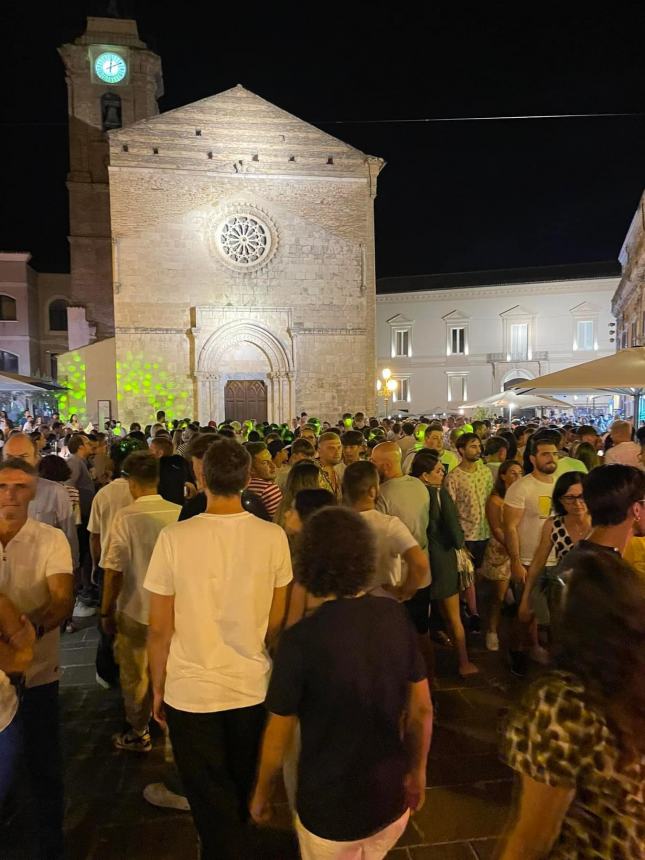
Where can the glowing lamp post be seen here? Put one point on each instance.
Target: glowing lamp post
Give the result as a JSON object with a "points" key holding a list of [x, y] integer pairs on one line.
{"points": [[386, 386]]}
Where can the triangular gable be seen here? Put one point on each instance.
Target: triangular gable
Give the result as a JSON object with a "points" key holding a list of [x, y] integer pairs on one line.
{"points": [[239, 116], [399, 319], [584, 308], [517, 311], [455, 316]]}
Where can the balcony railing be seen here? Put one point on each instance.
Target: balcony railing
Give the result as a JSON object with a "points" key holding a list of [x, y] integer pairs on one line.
{"points": [[511, 357]]}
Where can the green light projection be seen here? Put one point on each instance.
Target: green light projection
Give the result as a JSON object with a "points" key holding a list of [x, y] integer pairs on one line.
{"points": [[143, 386], [71, 374]]}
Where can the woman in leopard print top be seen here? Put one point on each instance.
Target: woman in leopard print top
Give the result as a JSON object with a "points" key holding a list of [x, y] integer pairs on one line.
{"points": [[578, 741]]}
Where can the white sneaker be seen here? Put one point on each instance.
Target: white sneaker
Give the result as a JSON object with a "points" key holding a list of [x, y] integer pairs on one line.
{"points": [[81, 610], [157, 794], [492, 642]]}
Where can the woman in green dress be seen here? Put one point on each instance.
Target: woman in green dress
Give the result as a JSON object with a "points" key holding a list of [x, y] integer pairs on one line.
{"points": [[444, 538]]}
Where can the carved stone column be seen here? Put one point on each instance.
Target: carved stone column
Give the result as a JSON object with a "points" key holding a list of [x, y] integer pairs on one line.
{"points": [[290, 396], [203, 396], [216, 390], [208, 399], [272, 399]]}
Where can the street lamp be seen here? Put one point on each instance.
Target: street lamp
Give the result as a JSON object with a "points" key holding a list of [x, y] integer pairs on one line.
{"points": [[386, 386]]}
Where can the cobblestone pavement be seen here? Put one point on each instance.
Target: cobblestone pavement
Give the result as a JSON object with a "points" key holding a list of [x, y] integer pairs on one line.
{"points": [[468, 795]]}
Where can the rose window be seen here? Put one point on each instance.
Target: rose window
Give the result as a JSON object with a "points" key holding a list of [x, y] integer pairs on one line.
{"points": [[244, 240]]}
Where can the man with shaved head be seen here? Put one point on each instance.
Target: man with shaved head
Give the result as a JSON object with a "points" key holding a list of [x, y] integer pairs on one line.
{"points": [[406, 497], [51, 504]]}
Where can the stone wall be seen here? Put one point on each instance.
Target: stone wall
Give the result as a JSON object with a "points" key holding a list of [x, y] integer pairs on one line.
{"points": [[165, 267]]}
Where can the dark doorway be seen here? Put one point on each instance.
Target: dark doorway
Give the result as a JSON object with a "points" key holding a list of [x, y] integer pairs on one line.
{"points": [[245, 398]]}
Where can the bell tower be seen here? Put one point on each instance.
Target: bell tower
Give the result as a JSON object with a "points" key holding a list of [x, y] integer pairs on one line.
{"points": [[113, 80]]}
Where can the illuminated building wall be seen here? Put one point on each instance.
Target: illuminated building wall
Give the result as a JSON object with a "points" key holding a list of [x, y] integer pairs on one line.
{"points": [[243, 248], [88, 375]]}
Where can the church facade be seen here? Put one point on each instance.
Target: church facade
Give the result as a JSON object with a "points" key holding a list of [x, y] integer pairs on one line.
{"points": [[241, 239]]}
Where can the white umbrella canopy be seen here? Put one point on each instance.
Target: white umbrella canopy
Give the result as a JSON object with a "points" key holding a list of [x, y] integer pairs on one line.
{"points": [[620, 373], [25, 384], [513, 401]]}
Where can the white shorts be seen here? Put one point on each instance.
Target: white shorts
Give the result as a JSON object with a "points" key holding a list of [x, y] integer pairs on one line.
{"points": [[373, 847]]}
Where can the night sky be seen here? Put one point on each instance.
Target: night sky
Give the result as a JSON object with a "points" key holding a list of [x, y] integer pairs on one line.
{"points": [[454, 197]]}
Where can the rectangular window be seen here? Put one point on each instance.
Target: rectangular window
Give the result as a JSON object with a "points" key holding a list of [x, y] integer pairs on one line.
{"points": [[457, 340], [402, 342], [7, 308], [402, 390], [519, 341], [456, 389], [634, 334], [584, 335]]}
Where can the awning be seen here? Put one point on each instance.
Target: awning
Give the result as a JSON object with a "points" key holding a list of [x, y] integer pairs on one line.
{"points": [[620, 373], [14, 382], [514, 401]]}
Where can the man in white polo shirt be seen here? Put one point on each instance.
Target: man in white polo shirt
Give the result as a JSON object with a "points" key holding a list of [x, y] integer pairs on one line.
{"points": [[36, 575], [124, 608], [217, 584]]}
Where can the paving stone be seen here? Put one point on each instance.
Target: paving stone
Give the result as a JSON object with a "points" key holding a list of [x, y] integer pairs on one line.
{"points": [[464, 739], [485, 848], [460, 813], [462, 770]]}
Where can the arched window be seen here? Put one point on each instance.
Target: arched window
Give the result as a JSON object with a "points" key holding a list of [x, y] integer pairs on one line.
{"points": [[7, 308], [8, 361], [58, 315]]}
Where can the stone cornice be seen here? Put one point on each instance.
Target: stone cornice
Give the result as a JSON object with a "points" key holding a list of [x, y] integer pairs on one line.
{"points": [[15, 256], [595, 285], [303, 332], [131, 329]]}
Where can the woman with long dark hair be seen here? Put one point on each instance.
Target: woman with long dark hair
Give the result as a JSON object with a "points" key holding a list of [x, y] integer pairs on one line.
{"points": [[444, 538], [570, 523], [578, 740]]}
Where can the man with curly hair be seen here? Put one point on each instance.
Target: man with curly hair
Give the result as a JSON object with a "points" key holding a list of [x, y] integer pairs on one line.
{"points": [[359, 775]]}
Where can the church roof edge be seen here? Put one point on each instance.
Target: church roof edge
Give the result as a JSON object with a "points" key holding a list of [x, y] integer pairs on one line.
{"points": [[194, 111]]}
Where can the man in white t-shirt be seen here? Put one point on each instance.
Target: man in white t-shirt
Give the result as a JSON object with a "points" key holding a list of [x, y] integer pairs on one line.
{"points": [[527, 505], [124, 607], [36, 575], [394, 539], [218, 586]]}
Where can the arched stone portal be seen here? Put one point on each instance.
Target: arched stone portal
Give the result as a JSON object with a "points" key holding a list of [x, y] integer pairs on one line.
{"points": [[244, 351]]}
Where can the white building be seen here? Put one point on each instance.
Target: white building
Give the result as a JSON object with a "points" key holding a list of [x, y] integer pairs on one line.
{"points": [[447, 344], [33, 317]]}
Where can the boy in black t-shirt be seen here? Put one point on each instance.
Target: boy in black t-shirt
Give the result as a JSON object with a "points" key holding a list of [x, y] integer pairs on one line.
{"points": [[348, 673]]}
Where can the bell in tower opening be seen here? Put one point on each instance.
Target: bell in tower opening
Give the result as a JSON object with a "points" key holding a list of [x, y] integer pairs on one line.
{"points": [[110, 111]]}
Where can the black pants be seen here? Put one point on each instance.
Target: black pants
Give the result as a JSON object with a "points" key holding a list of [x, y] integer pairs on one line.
{"points": [[216, 755], [40, 727]]}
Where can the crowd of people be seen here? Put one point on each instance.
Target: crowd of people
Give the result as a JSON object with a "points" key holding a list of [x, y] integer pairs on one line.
{"points": [[272, 596]]}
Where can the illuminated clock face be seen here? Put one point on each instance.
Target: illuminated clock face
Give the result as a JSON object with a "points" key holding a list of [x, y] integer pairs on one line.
{"points": [[110, 67]]}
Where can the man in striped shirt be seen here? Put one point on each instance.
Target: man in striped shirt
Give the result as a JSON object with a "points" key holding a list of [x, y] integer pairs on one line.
{"points": [[263, 472]]}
